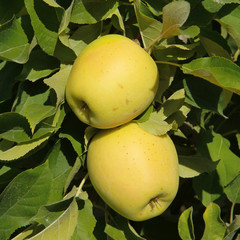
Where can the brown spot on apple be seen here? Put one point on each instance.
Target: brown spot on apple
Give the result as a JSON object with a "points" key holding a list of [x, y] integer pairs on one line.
{"points": [[127, 101], [116, 108], [120, 85]]}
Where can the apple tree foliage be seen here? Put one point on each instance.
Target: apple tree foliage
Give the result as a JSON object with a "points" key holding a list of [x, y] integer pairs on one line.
{"points": [[44, 189]]}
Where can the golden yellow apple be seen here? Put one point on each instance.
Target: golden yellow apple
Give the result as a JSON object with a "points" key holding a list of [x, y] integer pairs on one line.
{"points": [[112, 81], [133, 171]]}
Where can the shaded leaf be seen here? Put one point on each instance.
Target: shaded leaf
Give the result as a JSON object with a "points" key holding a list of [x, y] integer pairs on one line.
{"points": [[14, 127], [214, 225], [233, 228], [22, 198], [6, 12], [192, 166], [89, 12], [207, 187], [39, 65], [185, 225], [215, 98], [8, 74], [232, 190]]}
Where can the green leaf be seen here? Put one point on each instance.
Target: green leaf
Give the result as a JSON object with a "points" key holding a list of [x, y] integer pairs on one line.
{"points": [[173, 52], [185, 225], [230, 22], [232, 190], [14, 127], [45, 24], [192, 166], [214, 6], [233, 228], [73, 130], [89, 12], [21, 149], [150, 28], [35, 113], [7, 12], [28, 94], [190, 32], [22, 198], [63, 227], [172, 104], [214, 225], [155, 125], [217, 70], [121, 230], [59, 160], [8, 74], [86, 222], [58, 82], [14, 44], [175, 15], [214, 44], [83, 36], [218, 148], [39, 65], [215, 98], [207, 187]]}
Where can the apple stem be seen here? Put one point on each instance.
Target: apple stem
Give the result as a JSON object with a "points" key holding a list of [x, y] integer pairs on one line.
{"points": [[81, 185]]}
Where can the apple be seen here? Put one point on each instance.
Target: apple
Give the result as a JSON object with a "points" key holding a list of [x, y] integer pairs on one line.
{"points": [[112, 81], [134, 172]]}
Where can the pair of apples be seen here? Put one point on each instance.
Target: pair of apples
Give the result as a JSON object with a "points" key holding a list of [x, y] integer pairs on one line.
{"points": [[112, 81]]}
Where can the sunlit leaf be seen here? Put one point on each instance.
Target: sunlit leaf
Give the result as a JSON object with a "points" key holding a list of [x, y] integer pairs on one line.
{"points": [[214, 225], [14, 44], [21, 149], [150, 28], [45, 28], [155, 125], [175, 15], [86, 222], [217, 70], [22, 198], [63, 227], [58, 82], [185, 225]]}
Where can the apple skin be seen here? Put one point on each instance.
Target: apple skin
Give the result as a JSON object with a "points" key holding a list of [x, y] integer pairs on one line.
{"points": [[112, 81], [134, 172]]}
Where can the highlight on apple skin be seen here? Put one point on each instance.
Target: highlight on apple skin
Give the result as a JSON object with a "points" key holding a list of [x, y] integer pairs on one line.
{"points": [[134, 172], [112, 81]]}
